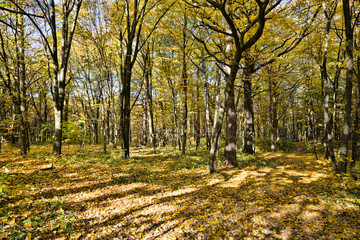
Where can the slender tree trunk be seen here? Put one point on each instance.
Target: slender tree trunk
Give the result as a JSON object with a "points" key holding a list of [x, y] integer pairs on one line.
{"points": [[20, 108], [249, 118], [356, 134], [144, 125], [312, 126], [274, 123], [173, 97], [104, 131], [207, 107], [184, 77], [126, 110], [197, 124], [329, 148], [148, 82], [348, 88]]}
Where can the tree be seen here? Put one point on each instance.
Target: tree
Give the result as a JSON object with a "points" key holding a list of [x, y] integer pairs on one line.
{"points": [[13, 74], [238, 40], [58, 70], [325, 78], [130, 20], [342, 166]]}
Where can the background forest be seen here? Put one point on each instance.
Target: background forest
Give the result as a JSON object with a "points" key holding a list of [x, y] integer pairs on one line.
{"points": [[161, 73], [218, 82]]}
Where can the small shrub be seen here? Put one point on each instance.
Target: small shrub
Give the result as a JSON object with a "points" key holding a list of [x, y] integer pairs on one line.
{"points": [[283, 145], [309, 147]]}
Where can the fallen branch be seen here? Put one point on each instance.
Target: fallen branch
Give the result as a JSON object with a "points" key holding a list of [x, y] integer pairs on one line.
{"points": [[7, 171], [44, 169]]}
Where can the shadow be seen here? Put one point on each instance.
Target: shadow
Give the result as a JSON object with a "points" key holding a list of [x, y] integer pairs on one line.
{"points": [[168, 196]]}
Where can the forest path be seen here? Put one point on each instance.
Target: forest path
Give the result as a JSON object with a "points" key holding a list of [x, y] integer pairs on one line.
{"points": [[163, 195]]}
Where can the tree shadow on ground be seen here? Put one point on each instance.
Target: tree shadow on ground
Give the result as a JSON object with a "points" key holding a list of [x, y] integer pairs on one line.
{"points": [[167, 196]]}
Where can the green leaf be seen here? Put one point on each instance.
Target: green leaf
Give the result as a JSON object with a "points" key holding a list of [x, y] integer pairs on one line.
{"points": [[27, 221]]}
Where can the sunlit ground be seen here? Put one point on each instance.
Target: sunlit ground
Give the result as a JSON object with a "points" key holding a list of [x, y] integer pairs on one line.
{"points": [[162, 195]]}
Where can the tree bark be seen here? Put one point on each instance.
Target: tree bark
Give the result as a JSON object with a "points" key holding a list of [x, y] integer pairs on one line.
{"points": [[274, 124], [231, 130], [184, 77], [148, 89], [232, 66], [356, 134], [348, 88], [248, 111], [207, 106], [329, 149], [144, 125], [126, 108], [197, 122]]}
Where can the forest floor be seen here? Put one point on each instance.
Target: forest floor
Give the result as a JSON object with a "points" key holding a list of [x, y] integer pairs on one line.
{"points": [[85, 194]]}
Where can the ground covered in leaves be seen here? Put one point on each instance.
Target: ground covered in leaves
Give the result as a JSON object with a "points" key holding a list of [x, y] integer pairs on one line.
{"points": [[85, 194]]}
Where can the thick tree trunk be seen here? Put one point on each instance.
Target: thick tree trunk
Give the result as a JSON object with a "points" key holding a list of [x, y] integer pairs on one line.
{"points": [[229, 80], [230, 76], [348, 88], [249, 131], [231, 130], [355, 139]]}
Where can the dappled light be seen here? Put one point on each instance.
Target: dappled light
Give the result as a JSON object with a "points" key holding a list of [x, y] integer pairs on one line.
{"points": [[163, 195]]}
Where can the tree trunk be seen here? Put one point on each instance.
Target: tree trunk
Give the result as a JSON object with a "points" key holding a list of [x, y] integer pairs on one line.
{"points": [[197, 124], [207, 107], [249, 118], [184, 77], [273, 115], [348, 88], [144, 125], [356, 134], [229, 80], [126, 110], [104, 128], [58, 130], [21, 109], [329, 149], [148, 82], [355, 138], [249, 130], [231, 129]]}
